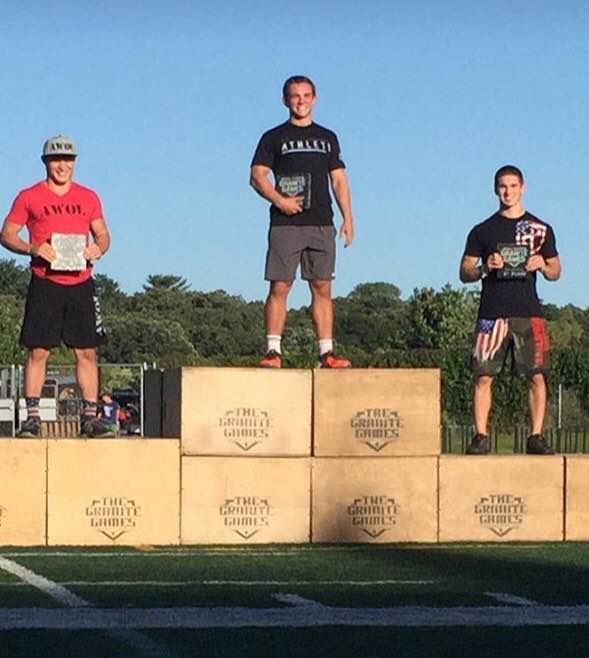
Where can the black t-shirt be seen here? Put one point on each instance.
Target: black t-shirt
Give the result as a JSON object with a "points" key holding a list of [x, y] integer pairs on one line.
{"points": [[301, 159], [510, 297]]}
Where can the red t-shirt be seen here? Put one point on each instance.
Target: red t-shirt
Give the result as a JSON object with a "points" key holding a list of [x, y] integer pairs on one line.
{"points": [[44, 212]]}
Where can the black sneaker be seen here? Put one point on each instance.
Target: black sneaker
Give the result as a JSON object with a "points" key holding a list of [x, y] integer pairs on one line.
{"points": [[91, 428], [480, 445], [29, 428], [537, 445]]}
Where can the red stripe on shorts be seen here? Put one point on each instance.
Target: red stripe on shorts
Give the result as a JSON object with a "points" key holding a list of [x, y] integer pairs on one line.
{"points": [[541, 342]]}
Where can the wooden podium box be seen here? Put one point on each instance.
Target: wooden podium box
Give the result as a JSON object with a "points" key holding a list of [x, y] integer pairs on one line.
{"points": [[113, 492], [375, 500], [239, 411], [377, 412], [23, 470], [501, 498], [244, 500], [577, 498]]}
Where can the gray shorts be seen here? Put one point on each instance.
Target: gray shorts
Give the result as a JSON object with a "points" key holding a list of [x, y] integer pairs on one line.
{"points": [[313, 247]]}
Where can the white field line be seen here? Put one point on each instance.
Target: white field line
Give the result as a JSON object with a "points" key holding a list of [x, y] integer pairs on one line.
{"points": [[56, 592], [148, 647], [301, 616], [510, 598], [225, 583]]}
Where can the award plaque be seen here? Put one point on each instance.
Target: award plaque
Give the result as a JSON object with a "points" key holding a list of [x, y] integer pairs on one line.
{"points": [[69, 250], [515, 257], [296, 185]]}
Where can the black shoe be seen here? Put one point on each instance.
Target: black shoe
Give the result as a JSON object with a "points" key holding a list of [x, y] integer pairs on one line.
{"points": [[30, 428], [94, 428], [537, 445], [480, 445]]}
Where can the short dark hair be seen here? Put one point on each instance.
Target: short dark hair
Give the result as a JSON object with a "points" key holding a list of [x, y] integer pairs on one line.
{"points": [[297, 79], [507, 170]]}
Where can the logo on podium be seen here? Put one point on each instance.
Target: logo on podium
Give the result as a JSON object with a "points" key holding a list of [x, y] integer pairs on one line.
{"points": [[245, 426], [373, 515], [501, 513], [376, 427], [245, 515], [113, 516]]}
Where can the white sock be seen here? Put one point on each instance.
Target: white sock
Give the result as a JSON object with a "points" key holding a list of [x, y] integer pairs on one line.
{"points": [[273, 343], [325, 345]]}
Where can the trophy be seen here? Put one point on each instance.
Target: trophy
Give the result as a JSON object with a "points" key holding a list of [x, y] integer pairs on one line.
{"points": [[69, 252], [515, 257], [295, 185]]}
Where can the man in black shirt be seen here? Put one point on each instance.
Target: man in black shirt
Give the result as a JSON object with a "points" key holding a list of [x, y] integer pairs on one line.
{"points": [[506, 252], [304, 159]]}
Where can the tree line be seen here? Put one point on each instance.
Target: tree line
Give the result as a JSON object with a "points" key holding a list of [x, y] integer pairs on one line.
{"points": [[170, 324]]}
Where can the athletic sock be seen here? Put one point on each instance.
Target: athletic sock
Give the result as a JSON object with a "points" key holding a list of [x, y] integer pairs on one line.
{"points": [[32, 407], [273, 343], [325, 345]]}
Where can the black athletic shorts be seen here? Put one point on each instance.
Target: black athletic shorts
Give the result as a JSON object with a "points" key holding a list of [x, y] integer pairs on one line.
{"points": [[56, 314]]}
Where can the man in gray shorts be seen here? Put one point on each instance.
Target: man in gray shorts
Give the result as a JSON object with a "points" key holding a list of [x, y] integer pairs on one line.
{"points": [[304, 159]]}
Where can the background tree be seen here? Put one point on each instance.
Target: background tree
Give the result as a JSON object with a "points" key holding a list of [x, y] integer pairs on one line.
{"points": [[14, 278], [171, 324], [10, 313], [134, 338], [166, 282]]}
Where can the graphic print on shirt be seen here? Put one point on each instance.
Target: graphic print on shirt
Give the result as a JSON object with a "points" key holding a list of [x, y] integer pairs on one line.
{"points": [[305, 146], [63, 208], [530, 233]]}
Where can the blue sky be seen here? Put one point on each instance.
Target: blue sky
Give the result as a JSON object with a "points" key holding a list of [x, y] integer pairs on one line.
{"points": [[167, 101]]}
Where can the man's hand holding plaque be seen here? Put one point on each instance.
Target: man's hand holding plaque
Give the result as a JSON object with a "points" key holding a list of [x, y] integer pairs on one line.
{"points": [[295, 186], [514, 258], [69, 252]]}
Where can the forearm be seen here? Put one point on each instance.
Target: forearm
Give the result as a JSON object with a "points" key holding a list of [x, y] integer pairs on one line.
{"points": [[102, 242], [471, 272], [341, 192], [265, 189], [13, 242], [551, 270]]}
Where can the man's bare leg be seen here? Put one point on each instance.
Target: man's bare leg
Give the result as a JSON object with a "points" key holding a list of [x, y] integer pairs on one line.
{"points": [[35, 368], [481, 408], [87, 372], [481, 403], [275, 320], [87, 377], [275, 308], [537, 395], [322, 308]]}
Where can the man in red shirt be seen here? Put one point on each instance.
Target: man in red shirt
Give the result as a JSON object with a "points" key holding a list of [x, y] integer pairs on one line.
{"points": [[61, 301]]}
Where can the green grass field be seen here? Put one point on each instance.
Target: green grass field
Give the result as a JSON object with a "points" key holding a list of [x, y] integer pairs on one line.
{"points": [[452, 600]]}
